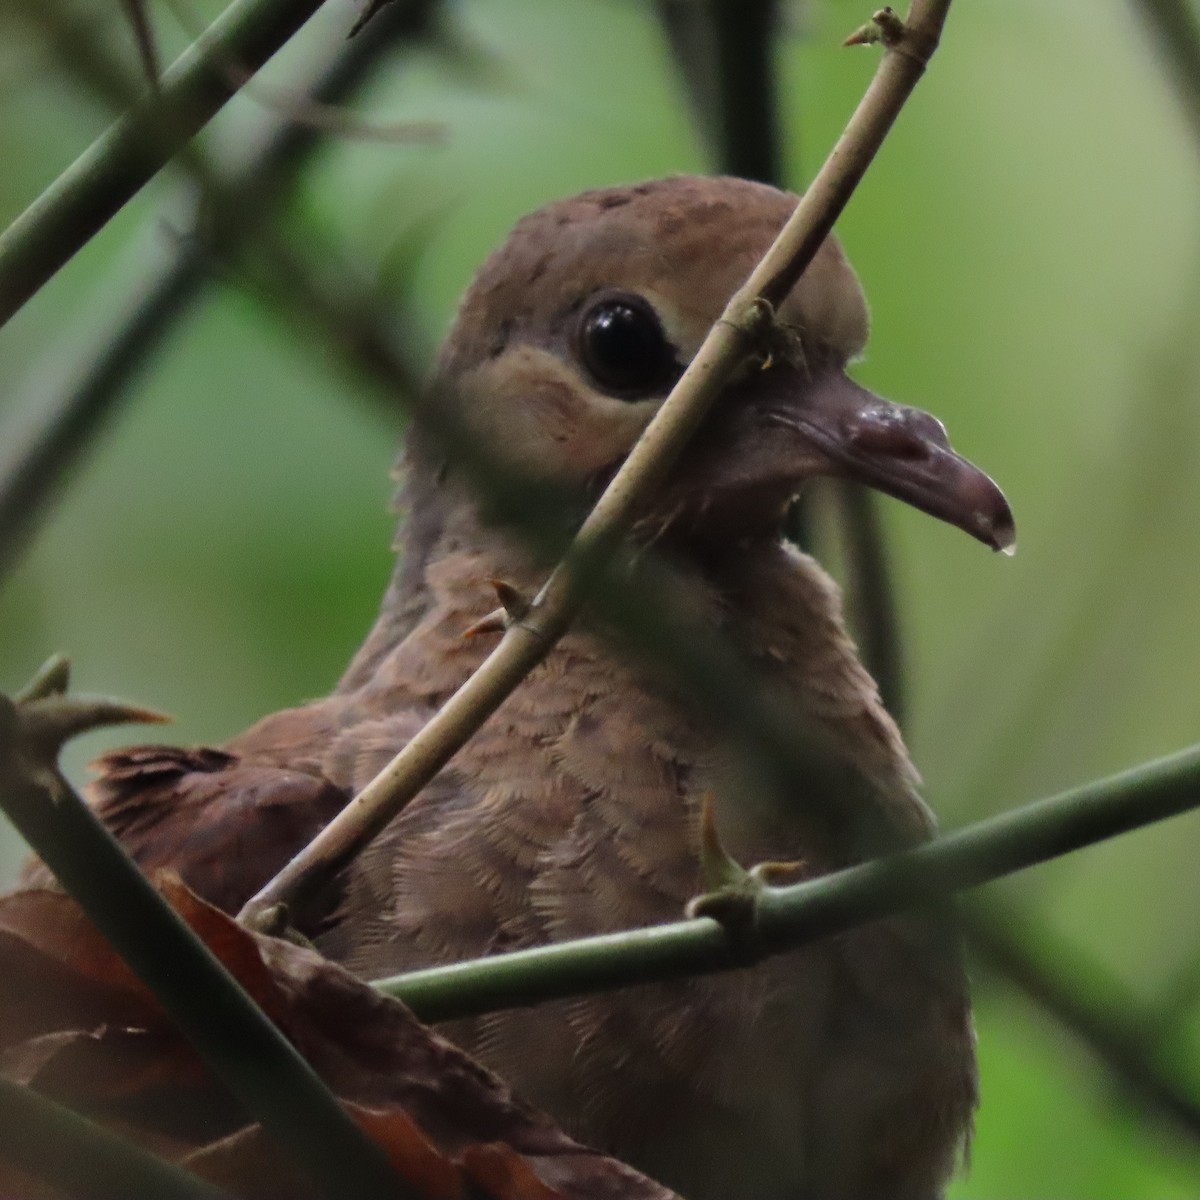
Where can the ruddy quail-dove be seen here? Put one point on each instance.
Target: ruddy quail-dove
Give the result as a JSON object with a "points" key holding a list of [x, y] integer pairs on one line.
{"points": [[844, 1069]]}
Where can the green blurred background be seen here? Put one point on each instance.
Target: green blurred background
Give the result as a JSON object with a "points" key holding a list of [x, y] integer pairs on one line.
{"points": [[1029, 242]]}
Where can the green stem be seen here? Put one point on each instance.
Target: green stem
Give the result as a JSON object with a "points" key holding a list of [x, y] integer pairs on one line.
{"points": [[257, 176], [117, 165], [748, 114], [59, 1147], [242, 1046], [724, 348], [785, 918]]}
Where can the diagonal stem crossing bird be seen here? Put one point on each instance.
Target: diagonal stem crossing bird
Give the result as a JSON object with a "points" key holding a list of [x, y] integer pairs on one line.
{"points": [[845, 1069]]}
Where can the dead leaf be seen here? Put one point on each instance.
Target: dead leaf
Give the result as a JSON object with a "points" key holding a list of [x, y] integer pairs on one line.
{"points": [[77, 1025]]}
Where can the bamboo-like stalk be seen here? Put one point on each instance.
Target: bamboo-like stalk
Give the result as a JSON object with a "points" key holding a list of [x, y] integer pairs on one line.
{"points": [[784, 918], [525, 644], [124, 158], [57, 1146], [254, 176], [239, 1042]]}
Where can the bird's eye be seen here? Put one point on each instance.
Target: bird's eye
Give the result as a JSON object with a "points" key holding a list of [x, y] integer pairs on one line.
{"points": [[624, 349]]}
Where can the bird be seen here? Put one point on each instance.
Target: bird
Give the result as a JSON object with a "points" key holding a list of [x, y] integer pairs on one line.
{"points": [[843, 1069]]}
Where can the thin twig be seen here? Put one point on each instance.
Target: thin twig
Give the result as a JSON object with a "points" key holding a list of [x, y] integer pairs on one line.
{"points": [[726, 55], [784, 918], [143, 36], [255, 176], [303, 108], [54, 1145], [525, 644], [229, 1031], [120, 162]]}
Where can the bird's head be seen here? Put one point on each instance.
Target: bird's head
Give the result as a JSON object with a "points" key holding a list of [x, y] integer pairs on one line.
{"points": [[575, 330]]}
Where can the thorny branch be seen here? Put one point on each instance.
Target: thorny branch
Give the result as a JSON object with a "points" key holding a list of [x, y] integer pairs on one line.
{"points": [[525, 645], [241, 1045], [725, 51], [784, 918], [1009, 968], [120, 162], [254, 178]]}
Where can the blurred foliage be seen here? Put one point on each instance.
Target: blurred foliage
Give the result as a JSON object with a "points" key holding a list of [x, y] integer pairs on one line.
{"points": [[1030, 243]]}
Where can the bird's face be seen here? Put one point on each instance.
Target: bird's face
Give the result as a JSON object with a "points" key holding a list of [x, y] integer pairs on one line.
{"points": [[573, 333]]}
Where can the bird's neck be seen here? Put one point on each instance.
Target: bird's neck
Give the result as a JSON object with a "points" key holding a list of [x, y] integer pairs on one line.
{"points": [[442, 531], [440, 525], [779, 610]]}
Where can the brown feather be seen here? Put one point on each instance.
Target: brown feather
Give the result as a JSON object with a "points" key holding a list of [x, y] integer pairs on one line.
{"points": [[845, 1069]]}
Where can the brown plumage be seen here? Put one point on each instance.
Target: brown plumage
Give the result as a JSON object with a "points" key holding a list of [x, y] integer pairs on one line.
{"points": [[842, 1070]]}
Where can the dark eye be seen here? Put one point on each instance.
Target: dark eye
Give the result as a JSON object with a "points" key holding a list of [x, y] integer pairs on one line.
{"points": [[624, 348]]}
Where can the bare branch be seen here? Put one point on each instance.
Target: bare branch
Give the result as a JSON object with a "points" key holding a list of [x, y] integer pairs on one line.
{"points": [[744, 321]]}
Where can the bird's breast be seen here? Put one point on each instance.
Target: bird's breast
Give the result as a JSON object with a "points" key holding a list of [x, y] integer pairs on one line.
{"points": [[843, 1068]]}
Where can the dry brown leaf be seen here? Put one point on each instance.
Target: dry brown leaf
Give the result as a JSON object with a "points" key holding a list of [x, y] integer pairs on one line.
{"points": [[77, 1025]]}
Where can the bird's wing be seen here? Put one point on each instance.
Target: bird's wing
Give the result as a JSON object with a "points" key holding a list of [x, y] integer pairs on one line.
{"points": [[223, 823]]}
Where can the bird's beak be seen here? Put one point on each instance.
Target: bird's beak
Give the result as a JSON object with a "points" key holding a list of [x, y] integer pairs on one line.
{"points": [[901, 451], [788, 425]]}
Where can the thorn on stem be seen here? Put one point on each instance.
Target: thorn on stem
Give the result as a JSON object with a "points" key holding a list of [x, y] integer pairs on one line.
{"points": [[514, 607], [884, 26], [41, 718], [733, 892], [47, 724], [495, 622], [718, 867], [514, 603], [52, 678]]}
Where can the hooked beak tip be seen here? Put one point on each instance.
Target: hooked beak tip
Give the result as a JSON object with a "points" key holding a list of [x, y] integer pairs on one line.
{"points": [[990, 518], [1000, 535]]}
